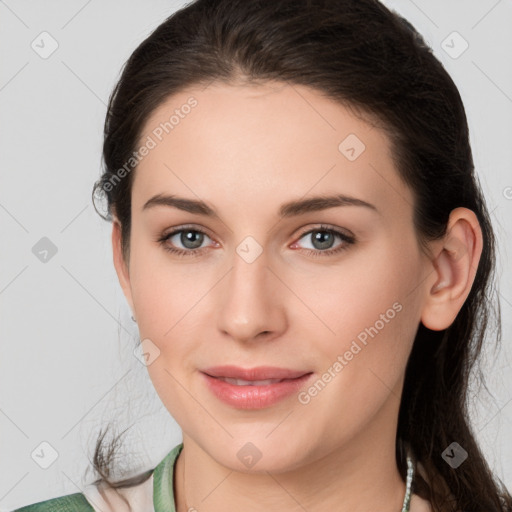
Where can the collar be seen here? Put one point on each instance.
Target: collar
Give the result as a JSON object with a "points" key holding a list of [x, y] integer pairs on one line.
{"points": [[163, 482]]}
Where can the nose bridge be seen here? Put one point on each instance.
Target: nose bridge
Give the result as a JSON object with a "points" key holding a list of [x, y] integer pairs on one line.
{"points": [[249, 304]]}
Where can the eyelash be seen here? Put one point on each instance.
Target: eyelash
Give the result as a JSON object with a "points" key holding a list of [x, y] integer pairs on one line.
{"points": [[349, 240]]}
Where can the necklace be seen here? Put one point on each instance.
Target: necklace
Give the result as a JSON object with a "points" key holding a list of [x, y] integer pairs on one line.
{"points": [[405, 505], [408, 485]]}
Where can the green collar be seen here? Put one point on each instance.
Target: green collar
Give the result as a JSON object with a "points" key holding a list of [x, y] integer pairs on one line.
{"points": [[163, 482]]}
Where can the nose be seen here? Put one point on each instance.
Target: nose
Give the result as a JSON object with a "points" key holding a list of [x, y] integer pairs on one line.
{"points": [[250, 301]]}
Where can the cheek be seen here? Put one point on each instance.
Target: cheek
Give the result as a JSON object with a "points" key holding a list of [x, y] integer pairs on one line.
{"points": [[372, 318], [368, 287], [165, 295], [167, 299], [362, 367]]}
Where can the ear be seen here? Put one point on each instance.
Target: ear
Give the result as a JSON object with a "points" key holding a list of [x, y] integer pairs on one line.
{"points": [[455, 266], [120, 264]]}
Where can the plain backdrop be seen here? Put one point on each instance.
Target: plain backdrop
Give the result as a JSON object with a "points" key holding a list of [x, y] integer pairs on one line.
{"points": [[67, 362]]}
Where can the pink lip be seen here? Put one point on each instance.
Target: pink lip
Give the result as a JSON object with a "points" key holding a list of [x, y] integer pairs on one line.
{"points": [[254, 397]]}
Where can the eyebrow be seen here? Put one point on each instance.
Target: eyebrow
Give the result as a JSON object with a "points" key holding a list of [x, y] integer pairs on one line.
{"points": [[289, 209]]}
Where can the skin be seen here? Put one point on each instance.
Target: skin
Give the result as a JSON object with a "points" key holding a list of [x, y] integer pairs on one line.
{"points": [[245, 150]]}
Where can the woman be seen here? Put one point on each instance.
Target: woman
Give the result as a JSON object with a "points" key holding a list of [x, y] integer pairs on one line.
{"points": [[299, 231]]}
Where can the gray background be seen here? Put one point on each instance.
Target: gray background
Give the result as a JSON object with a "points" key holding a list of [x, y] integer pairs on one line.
{"points": [[67, 362]]}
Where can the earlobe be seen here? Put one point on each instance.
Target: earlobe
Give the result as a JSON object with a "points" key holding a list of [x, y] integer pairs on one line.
{"points": [[454, 271], [120, 264]]}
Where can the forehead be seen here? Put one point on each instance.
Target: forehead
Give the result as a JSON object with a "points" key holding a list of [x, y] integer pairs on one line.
{"points": [[249, 142]]}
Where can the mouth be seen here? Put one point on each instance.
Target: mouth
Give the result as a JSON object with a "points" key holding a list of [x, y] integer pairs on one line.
{"points": [[257, 374], [255, 388], [241, 382]]}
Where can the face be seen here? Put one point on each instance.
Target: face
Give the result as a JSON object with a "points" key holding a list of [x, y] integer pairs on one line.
{"points": [[329, 290]]}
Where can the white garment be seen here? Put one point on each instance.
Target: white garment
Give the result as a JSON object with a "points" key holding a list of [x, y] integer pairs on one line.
{"points": [[138, 498]]}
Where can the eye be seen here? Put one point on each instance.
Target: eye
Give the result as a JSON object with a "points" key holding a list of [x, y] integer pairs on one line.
{"points": [[322, 239], [190, 238]]}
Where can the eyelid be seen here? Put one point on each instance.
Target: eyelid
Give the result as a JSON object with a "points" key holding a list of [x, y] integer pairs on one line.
{"points": [[184, 227]]}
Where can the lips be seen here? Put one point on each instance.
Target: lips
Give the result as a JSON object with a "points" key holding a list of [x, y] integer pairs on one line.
{"points": [[254, 388], [253, 376]]}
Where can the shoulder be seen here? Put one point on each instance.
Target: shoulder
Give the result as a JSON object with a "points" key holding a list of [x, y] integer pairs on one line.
{"points": [[101, 498], [70, 503]]}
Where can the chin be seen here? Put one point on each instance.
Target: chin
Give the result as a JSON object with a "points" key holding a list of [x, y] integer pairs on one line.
{"points": [[259, 455]]}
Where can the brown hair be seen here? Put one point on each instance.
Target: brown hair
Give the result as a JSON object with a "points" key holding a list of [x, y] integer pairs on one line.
{"points": [[361, 54]]}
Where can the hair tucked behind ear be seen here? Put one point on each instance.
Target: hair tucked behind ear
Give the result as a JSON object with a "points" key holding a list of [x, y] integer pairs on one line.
{"points": [[361, 54]]}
